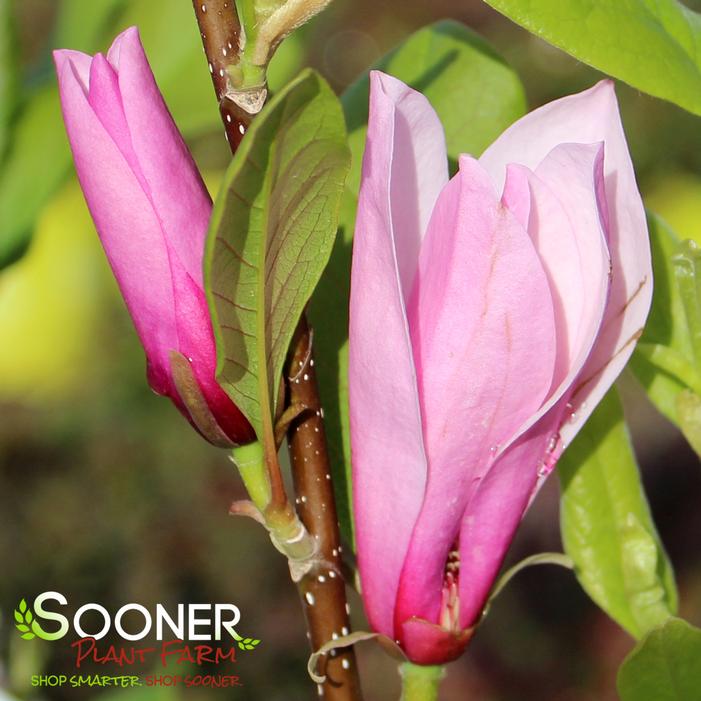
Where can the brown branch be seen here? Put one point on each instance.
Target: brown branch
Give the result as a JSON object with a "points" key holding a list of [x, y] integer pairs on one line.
{"points": [[220, 31], [323, 590]]}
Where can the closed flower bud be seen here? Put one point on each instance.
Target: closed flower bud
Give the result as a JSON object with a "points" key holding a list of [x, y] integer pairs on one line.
{"points": [[151, 211]]}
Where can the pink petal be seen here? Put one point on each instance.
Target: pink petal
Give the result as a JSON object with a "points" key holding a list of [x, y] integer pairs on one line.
{"points": [[80, 63], [106, 102], [196, 343], [176, 189], [483, 333], [566, 220], [566, 226], [590, 117], [419, 167], [495, 512], [389, 466], [124, 218]]}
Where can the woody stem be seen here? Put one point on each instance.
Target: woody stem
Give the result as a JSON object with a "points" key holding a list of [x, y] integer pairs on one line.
{"points": [[322, 589]]}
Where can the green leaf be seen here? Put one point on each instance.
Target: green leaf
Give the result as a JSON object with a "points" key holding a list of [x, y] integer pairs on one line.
{"points": [[22, 627], [664, 666], [23, 606], [606, 525], [29, 616], [688, 406], [476, 96], [666, 361], [651, 44], [28, 636], [19, 617], [271, 234]]}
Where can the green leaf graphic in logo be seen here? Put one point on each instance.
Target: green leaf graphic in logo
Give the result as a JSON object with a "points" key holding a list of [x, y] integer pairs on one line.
{"points": [[28, 626], [246, 643], [23, 618]]}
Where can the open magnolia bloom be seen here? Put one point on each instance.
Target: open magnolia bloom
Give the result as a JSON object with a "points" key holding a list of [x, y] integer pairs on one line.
{"points": [[151, 210], [489, 313]]}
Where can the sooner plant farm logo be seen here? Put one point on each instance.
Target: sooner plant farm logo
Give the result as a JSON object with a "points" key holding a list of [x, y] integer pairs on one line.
{"points": [[187, 624], [190, 634]]}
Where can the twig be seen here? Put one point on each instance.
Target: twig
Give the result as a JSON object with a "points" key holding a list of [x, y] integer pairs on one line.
{"points": [[220, 31], [322, 590]]}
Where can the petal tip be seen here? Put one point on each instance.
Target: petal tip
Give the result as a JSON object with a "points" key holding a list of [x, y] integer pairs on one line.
{"points": [[129, 39]]}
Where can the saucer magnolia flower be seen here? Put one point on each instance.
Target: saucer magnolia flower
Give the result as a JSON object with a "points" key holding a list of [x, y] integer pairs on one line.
{"points": [[489, 314], [151, 211]]}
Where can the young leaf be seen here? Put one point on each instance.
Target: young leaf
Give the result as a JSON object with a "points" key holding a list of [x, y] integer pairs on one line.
{"points": [[650, 44], [606, 525], [476, 96], [270, 237], [664, 666]]}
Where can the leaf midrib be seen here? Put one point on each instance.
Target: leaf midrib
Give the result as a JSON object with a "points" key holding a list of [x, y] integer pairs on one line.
{"points": [[261, 307]]}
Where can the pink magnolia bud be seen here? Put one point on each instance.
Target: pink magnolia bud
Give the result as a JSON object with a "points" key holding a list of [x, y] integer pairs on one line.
{"points": [[490, 312], [151, 211]]}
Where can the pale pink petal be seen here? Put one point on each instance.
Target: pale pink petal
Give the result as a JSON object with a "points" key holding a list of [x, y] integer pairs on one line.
{"points": [[483, 333], [568, 232], [517, 194], [590, 117], [128, 228], [80, 63], [419, 168], [389, 465], [566, 225], [176, 189]]}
